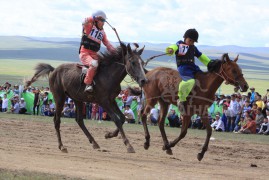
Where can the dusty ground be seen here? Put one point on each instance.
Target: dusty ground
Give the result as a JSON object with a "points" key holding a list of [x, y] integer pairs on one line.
{"points": [[32, 146]]}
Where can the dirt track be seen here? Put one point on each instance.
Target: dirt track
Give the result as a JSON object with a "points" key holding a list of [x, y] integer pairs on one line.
{"points": [[32, 146]]}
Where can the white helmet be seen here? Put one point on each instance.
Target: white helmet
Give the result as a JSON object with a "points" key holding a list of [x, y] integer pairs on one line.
{"points": [[99, 13]]}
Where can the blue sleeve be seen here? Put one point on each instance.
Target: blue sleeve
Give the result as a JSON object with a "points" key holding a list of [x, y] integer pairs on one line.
{"points": [[197, 53]]}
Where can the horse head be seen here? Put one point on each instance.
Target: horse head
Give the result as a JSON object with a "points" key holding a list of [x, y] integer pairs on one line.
{"points": [[134, 64], [232, 73]]}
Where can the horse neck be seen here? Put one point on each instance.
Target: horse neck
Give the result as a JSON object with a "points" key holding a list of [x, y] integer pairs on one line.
{"points": [[213, 82], [116, 72]]}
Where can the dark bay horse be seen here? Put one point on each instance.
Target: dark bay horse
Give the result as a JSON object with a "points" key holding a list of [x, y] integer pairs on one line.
{"points": [[162, 87], [65, 81]]}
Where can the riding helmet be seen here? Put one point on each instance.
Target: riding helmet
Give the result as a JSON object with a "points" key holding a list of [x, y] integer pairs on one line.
{"points": [[99, 13], [191, 33]]}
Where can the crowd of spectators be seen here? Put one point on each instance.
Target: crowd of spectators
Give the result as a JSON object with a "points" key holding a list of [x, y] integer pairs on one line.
{"points": [[246, 113]]}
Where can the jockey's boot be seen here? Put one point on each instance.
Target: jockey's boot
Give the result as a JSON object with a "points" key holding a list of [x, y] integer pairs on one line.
{"points": [[181, 107], [89, 88]]}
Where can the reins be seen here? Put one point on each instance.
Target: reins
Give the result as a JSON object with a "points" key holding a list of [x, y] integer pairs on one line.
{"points": [[226, 77]]}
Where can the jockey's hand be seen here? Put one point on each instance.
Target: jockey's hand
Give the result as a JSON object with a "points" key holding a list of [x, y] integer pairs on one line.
{"points": [[169, 51]]}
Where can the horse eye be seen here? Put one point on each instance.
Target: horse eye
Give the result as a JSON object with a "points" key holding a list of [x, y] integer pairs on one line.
{"points": [[234, 72]]}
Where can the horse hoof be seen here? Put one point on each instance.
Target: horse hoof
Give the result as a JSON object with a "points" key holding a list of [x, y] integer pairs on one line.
{"points": [[96, 146], [108, 135], [64, 150], [166, 147], [169, 152], [130, 149], [146, 146], [200, 156]]}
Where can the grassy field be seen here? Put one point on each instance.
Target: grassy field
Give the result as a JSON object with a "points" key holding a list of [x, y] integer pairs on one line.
{"points": [[16, 71]]}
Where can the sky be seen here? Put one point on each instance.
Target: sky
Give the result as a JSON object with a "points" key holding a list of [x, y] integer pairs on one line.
{"points": [[219, 22]]}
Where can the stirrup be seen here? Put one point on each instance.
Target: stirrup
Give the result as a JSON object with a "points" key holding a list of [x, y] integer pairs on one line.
{"points": [[89, 88]]}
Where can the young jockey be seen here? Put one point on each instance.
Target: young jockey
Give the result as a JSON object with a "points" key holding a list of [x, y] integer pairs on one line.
{"points": [[93, 35], [185, 52]]}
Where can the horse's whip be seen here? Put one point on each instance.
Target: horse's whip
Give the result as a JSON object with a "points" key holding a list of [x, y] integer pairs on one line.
{"points": [[149, 59], [114, 29]]}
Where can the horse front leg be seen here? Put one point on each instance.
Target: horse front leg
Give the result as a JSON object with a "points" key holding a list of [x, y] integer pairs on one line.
{"points": [[112, 134], [118, 118], [208, 135]]}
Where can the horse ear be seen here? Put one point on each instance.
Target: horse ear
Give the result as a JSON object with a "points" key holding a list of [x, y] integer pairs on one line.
{"points": [[236, 59], [123, 47], [225, 57], [141, 50], [129, 49]]}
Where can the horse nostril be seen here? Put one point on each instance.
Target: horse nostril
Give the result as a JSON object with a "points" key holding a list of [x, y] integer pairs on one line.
{"points": [[143, 81]]}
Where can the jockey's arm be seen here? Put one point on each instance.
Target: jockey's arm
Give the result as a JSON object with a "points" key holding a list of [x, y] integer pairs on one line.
{"points": [[108, 45], [87, 25], [202, 57], [170, 50]]}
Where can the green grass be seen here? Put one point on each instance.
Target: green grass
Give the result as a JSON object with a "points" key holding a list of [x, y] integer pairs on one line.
{"points": [[16, 71]]}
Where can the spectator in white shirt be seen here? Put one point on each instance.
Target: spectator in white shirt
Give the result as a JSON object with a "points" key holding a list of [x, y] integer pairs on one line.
{"points": [[218, 124], [264, 126], [129, 115], [5, 103], [22, 105], [153, 117], [233, 111]]}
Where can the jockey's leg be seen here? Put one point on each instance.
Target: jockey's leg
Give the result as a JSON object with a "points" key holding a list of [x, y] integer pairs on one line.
{"points": [[90, 74], [184, 90]]}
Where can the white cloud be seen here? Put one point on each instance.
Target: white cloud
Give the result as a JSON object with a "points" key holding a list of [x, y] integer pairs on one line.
{"points": [[222, 22]]}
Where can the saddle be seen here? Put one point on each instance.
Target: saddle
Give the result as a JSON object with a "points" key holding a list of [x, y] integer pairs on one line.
{"points": [[84, 69]]}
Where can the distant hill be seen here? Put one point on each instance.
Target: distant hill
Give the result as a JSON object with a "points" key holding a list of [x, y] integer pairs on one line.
{"points": [[253, 60]]}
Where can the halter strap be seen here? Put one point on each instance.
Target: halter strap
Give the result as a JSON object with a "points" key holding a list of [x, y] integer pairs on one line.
{"points": [[226, 77]]}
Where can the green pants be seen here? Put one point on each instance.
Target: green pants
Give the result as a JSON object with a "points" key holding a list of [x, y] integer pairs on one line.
{"points": [[184, 89]]}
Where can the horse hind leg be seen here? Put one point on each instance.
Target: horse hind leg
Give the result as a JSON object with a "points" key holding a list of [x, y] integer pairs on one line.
{"points": [[79, 120], [185, 124], [208, 135], [57, 120]]}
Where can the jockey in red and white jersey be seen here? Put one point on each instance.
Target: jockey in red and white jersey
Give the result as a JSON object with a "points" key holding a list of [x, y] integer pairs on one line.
{"points": [[93, 35]]}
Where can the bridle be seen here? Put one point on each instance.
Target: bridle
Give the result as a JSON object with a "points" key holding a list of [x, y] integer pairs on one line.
{"points": [[226, 78]]}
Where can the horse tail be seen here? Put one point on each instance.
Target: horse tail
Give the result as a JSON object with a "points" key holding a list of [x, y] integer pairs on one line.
{"points": [[41, 70], [134, 91]]}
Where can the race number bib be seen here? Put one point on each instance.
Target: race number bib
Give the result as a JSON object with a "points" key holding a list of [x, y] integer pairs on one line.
{"points": [[96, 35], [182, 49]]}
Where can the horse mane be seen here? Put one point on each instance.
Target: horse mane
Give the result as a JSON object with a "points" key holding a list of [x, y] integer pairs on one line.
{"points": [[108, 58]]}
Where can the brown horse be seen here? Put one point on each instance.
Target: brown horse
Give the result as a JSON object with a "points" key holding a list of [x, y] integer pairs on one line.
{"points": [[65, 81], [162, 87]]}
